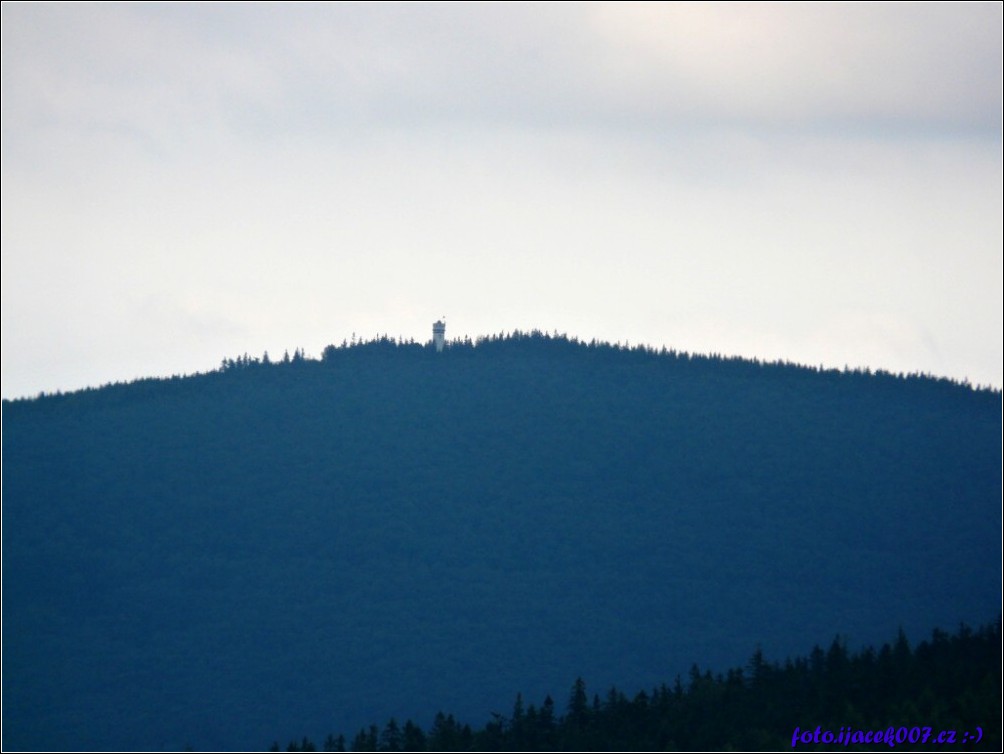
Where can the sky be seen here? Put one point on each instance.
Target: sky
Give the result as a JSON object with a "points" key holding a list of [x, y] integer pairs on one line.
{"points": [[814, 183]]}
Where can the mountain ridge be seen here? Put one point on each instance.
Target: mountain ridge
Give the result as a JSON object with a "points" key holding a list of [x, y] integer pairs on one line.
{"points": [[506, 339]]}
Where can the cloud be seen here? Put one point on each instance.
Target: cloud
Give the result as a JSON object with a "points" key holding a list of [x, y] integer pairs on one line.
{"points": [[793, 63], [178, 74]]}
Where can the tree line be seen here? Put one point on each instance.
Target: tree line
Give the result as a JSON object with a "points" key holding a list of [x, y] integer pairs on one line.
{"points": [[948, 683], [534, 339]]}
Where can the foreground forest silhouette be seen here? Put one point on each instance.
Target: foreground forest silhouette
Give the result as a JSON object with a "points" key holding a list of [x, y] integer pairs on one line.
{"points": [[287, 546], [949, 683]]}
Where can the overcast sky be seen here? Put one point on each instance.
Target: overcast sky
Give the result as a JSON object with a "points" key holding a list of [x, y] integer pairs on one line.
{"points": [[184, 183]]}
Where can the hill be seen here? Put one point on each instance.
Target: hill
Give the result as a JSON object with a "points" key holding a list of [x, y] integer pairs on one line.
{"points": [[315, 545]]}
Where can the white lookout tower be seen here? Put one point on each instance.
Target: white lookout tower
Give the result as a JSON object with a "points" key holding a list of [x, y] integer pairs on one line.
{"points": [[439, 334]]}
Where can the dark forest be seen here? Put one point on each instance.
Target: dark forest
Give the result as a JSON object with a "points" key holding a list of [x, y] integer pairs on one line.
{"points": [[288, 546], [951, 682]]}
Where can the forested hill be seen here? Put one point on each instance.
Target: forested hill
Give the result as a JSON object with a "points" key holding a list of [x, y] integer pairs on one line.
{"points": [[312, 545]]}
